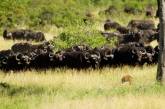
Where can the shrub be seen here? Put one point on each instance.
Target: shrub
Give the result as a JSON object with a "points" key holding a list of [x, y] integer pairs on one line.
{"points": [[67, 39]]}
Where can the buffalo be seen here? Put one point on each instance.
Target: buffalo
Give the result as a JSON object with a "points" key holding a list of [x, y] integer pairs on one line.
{"points": [[129, 54], [141, 24], [131, 37], [111, 10], [106, 55], [24, 34], [24, 56], [80, 59], [13, 61], [132, 10], [38, 56], [109, 24], [123, 30], [148, 36]]}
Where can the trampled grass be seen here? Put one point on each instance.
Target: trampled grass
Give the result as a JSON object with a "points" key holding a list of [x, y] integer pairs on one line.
{"points": [[72, 89]]}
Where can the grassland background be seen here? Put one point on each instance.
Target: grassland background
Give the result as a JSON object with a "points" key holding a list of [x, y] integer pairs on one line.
{"points": [[70, 88], [62, 20]]}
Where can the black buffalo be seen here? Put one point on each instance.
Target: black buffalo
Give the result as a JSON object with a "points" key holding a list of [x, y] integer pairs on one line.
{"points": [[106, 55], [111, 9], [129, 54], [109, 24], [131, 10], [39, 56], [13, 61], [24, 34], [141, 24], [131, 37]]}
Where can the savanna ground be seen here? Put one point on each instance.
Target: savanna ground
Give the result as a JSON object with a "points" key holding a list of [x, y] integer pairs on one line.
{"points": [[70, 88], [89, 89]]}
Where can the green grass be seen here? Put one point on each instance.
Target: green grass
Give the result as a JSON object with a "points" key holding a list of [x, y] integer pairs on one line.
{"points": [[71, 89]]}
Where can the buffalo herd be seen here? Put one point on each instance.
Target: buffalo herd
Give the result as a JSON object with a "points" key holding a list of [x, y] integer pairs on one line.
{"points": [[132, 48], [23, 56], [143, 31]]}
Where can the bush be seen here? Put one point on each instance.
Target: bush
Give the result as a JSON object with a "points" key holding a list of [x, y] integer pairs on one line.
{"points": [[67, 39]]}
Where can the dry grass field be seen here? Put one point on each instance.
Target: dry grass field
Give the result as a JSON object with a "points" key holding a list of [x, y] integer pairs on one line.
{"points": [[79, 89]]}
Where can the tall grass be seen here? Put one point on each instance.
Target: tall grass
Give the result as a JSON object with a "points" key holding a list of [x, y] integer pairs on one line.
{"points": [[70, 88]]}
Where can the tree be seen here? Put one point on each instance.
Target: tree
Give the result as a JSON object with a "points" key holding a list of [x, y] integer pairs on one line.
{"points": [[161, 61]]}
